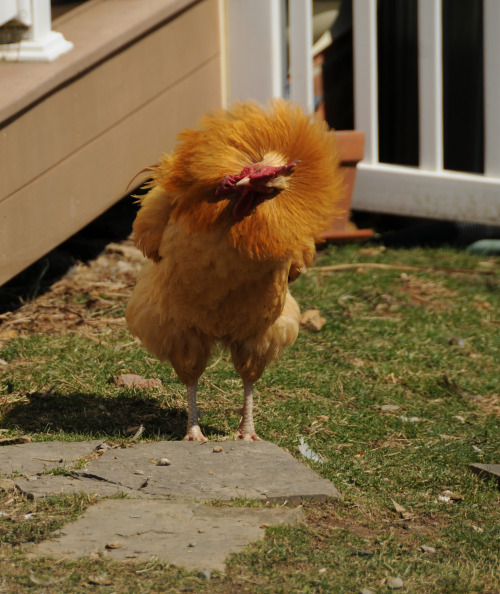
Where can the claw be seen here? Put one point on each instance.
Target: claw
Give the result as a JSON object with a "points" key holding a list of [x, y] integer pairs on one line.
{"points": [[194, 434], [245, 436]]}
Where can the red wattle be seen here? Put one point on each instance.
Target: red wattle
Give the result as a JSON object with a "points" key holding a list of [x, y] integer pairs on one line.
{"points": [[244, 205]]}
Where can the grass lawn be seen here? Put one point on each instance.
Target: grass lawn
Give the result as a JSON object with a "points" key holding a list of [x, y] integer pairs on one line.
{"points": [[398, 393]]}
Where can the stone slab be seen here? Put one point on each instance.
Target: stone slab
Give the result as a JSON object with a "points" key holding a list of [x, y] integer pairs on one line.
{"points": [[37, 487], [193, 535], [254, 470], [33, 458], [487, 471]]}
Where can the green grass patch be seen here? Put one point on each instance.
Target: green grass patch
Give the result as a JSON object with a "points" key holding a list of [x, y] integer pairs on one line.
{"points": [[427, 343]]}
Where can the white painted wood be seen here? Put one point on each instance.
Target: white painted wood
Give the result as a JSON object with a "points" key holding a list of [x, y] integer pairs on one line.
{"points": [[439, 195], [254, 49], [41, 25], [300, 47], [430, 84], [8, 10], [366, 74], [491, 32], [426, 191], [50, 47], [40, 43], [26, 8]]}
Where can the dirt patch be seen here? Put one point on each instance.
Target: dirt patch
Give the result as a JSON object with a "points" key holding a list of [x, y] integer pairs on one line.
{"points": [[369, 304], [431, 294], [90, 299], [488, 403], [370, 526]]}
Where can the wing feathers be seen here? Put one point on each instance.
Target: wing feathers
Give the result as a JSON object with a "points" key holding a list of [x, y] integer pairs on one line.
{"points": [[151, 222]]}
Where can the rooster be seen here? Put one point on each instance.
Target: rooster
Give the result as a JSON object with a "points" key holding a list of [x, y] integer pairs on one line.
{"points": [[231, 217]]}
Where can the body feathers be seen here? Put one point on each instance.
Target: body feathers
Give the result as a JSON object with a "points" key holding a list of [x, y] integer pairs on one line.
{"points": [[212, 277]]}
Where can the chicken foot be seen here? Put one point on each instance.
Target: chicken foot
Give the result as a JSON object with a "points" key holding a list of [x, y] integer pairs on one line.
{"points": [[246, 429], [193, 429]]}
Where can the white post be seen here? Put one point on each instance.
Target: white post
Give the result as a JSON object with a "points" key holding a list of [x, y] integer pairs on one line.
{"points": [[39, 43], [491, 70], [300, 44], [430, 83], [254, 49], [41, 25], [366, 75], [8, 10]]}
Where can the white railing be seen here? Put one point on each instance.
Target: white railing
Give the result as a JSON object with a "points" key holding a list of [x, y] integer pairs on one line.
{"points": [[427, 190], [255, 46], [8, 11], [256, 50], [26, 34]]}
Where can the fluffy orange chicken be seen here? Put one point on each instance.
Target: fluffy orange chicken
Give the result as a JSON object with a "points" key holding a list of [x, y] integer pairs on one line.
{"points": [[230, 218]]}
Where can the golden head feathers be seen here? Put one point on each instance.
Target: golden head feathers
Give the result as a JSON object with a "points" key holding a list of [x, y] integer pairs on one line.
{"points": [[304, 201]]}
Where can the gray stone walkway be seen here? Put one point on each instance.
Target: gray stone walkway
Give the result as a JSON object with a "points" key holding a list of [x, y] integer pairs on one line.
{"points": [[193, 535], [30, 458], [487, 471], [164, 516]]}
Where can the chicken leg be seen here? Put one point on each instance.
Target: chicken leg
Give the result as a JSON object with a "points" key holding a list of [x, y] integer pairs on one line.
{"points": [[246, 429], [193, 429]]}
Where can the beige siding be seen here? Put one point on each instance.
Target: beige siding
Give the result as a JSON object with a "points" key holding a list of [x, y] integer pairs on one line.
{"points": [[71, 156]]}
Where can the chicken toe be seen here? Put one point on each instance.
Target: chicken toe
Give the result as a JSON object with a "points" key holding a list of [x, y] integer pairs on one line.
{"points": [[194, 434], [247, 436]]}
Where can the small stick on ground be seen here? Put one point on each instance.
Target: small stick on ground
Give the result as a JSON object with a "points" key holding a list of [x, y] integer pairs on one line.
{"points": [[404, 267], [138, 433]]}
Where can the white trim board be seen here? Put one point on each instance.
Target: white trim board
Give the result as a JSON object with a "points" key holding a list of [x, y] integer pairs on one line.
{"points": [[439, 195]]}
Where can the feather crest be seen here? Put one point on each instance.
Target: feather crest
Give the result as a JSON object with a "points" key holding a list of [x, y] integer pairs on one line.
{"points": [[225, 143]]}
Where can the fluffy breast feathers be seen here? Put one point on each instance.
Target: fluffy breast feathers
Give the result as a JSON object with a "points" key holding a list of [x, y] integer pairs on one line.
{"points": [[184, 183]]}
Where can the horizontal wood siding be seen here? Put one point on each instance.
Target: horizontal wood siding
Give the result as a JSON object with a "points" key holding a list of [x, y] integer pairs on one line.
{"points": [[72, 155]]}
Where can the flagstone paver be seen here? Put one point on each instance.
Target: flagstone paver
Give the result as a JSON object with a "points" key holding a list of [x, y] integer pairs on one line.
{"points": [[164, 515], [195, 536], [33, 458]]}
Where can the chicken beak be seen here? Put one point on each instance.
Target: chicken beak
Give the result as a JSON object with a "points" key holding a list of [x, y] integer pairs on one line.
{"points": [[244, 181]]}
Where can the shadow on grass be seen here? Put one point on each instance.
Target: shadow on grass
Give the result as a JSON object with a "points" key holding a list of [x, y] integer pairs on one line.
{"points": [[96, 415]]}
